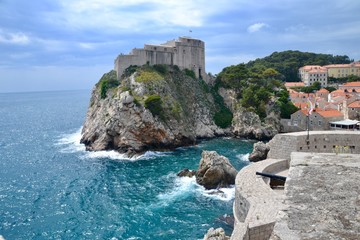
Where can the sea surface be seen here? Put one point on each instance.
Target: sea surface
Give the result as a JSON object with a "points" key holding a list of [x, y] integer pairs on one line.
{"points": [[51, 188]]}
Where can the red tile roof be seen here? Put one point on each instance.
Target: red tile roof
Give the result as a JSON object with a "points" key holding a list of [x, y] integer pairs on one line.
{"points": [[351, 84], [330, 113], [323, 90], [355, 104]]}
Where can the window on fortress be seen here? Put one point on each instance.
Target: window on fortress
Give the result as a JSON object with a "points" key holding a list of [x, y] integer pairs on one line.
{"points": [[184, 51]]}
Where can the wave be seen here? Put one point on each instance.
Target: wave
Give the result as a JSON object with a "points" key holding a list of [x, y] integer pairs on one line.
{"points": [[70, 143], [243, 157], [185, 187]]}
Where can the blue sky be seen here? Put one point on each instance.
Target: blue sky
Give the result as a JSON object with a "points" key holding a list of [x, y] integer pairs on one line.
{"points": [[69, 44]]}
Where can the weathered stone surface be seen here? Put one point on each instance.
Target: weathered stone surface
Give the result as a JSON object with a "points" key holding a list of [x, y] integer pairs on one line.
{"points": [[322, 198], [186, 173], [215, 171], [215, 234], [248, 124], [259, 152]]}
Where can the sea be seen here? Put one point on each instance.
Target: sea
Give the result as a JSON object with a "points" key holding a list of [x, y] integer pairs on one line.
{"points": [[52, 188]]}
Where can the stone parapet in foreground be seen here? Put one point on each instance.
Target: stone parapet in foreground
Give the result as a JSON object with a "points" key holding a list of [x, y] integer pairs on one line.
{"points": [[256, 204], [322, 198]]}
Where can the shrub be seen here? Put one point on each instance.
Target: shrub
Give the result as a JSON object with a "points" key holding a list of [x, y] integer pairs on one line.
{"points": [[223, 118], [107, 81], [161, 68], [189, 73], [103, 89], [130, 70], [154, 104]]}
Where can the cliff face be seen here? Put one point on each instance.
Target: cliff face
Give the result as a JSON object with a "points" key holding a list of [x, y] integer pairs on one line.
{"points": [[150, 109]]}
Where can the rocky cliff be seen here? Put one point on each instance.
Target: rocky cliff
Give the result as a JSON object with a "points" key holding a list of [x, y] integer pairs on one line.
{"points": [[151, 108], [161, 107]]}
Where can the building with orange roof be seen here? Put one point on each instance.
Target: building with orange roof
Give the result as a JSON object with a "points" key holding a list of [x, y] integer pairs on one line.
{"points": [[322, 93], [319, 119], [343, 70], [354, 110], [350, 87], [313, 73]]}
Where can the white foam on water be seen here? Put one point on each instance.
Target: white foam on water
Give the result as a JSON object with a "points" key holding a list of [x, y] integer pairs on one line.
{"points": [[185, 187], [243, 157], [222, 194], [71, 144]]}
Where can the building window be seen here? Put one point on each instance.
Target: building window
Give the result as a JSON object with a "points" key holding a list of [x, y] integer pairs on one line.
{"points": [[155, 48], [320, 123]]}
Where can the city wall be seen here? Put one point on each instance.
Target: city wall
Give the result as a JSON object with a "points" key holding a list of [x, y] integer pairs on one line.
{"points": [[282, 145], [256, 205], [254, 219]]}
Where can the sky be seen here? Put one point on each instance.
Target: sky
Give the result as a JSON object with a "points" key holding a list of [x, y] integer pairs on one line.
{"points": [[69, 44]]}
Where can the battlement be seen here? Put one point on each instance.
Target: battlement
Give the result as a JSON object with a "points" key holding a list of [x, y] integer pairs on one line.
{"points": [[185, 52]]}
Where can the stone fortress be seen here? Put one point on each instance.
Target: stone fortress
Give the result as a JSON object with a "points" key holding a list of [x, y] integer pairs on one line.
{"points": [[320, 198], [185, 52]]}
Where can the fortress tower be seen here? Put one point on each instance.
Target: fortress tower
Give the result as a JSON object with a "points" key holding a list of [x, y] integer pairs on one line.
{"points": [[185, 52]]}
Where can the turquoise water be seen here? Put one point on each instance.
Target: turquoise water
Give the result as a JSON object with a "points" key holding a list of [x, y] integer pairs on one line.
{"points": [[51, 188]]}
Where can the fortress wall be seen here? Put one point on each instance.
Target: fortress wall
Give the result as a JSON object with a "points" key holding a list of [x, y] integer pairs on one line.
{"points": [[122, 62], [254, 219], [282, 145]]}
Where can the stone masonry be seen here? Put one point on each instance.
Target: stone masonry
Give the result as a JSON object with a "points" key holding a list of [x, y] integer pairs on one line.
{"points": [[322, 198], [282, 145], [185, 52]]}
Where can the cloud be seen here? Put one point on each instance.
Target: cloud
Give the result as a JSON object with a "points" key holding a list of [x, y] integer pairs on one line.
{"points": [[256, 27], [135, 15], [17, 38]]}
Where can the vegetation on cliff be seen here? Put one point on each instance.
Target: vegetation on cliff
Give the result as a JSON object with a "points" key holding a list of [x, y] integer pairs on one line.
{"points": [[107, 81], [287, 63], [255, 87]]}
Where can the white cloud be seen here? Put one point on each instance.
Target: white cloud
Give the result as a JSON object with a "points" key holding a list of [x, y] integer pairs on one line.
{"points": [[17, 38], [136, 15], [256, 27]]}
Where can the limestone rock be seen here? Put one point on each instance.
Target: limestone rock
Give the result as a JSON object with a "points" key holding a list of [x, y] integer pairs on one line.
{"points": [[215, 171], [248, 124], [186, 173], [120, 121], [215, 234], [260, 151]]}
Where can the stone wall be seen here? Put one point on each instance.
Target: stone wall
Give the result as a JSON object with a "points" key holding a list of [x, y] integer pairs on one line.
{"points": [[322, 198], [185, 53], [282, 145], [254, 219]]}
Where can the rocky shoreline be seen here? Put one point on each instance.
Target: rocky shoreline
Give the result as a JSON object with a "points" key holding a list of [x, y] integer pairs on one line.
{"points": [[163, 112]]}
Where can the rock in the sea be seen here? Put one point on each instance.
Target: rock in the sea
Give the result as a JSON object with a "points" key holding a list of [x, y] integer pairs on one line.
{"points": [[186, 173], [259, 152], [215, 171], [215, 234]]}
